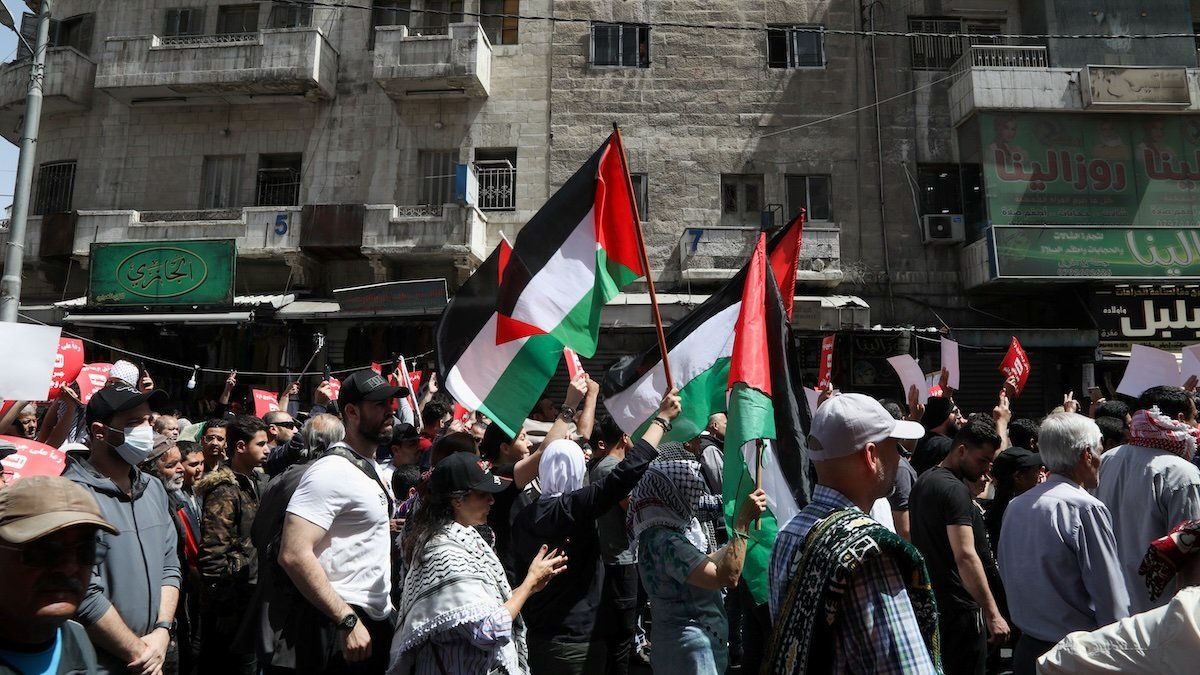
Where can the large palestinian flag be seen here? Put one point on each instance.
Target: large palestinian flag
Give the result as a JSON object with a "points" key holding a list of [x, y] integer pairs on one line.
{"points": [[763, 405], [574, 255], [699, 346]]}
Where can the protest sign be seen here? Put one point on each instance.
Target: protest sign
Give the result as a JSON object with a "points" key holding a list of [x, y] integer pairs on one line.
{"points": [[1149, 367], [91, 378], [910, 375], [27, 360], [1016, 364], [264, 402], [33, 458], [574, 365], [67, 364], [950, 363], [825, 373]]}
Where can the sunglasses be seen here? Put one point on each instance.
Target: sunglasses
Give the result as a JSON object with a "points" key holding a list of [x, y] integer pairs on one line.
{"points": [[52, 554], [285, 425]]}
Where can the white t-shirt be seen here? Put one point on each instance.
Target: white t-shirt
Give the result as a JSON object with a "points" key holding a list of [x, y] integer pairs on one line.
{"points": [[355, 551]]}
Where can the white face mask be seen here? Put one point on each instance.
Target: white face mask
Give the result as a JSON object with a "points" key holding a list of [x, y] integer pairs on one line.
{"points": [[139, 443]]}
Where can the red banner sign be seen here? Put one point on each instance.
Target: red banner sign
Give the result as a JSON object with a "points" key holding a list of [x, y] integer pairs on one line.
{"points": [[462, 416], [825, 374], [33, 459], [67, 364], [91, 379], [574, 365], [264, 402], [1016, 364]]}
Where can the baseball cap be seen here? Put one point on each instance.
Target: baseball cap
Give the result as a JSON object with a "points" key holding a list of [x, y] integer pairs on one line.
{"points": [[1013, 459], [111, 400], [464, 471], [40, 505], [403, 433], [7, 449], [846, 423], [367, 385]]}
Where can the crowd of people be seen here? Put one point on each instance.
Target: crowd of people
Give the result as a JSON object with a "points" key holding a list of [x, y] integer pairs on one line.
{"points": [[371, 535]]}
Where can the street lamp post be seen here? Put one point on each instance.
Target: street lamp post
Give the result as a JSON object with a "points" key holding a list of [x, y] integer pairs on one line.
{"points": [[14, 254]]}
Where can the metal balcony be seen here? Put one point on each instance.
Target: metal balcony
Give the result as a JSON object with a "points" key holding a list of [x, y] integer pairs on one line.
{"points": [[422, 232], [67, 88], [714, 254], [456, 65]]}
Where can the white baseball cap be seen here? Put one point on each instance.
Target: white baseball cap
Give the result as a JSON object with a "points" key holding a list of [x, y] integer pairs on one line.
{"points": [[845, 424]]}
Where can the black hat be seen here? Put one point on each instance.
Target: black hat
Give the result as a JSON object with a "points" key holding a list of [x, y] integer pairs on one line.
{"points": [[1014, 459], [404, 433], [7, 449], [110, 400], [464, 471], [937, 410], [367, 385]]}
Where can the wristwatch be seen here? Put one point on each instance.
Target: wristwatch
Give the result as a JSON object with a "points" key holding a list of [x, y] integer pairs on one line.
{"points": [[566, 413], [348, 622], [168, 625], [665, 424]]}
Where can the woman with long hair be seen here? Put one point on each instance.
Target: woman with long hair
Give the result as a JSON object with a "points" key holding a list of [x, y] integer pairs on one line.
{"points": [[458, 613]]}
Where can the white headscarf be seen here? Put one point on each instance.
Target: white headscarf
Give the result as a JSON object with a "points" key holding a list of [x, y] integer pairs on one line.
{"points": [[561, 468]]}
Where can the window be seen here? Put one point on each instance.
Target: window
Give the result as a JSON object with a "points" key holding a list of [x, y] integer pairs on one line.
{"points": [[810, 193], [185, 21], [387, 13], [741, 197], [951, 188], [795, 46], [55, 187], [639, 195], [278, 180], [501, 30], [1196, 32], [496, 169], [286, 15], [73, 32], [221, 182], [621, 44], [435, 17], [930, 52], [437, 176], [237, 19]]}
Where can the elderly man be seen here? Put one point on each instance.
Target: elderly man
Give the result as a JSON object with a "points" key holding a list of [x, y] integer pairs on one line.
{"points": [[48, 531], [884, 620], [1057, 552], [1150, 484]]}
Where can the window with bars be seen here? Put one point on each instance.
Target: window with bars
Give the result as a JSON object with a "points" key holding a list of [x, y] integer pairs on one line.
{"points": [[801, 46], [621, 44], [55, 187], [437, 172], [811, 193], [435, 17], [233, 19], [286, 15], [931, 52], [184, 21], [640, 192], [741, 198], [221, 182], [496, 169], [278, 180], [501, 30]]}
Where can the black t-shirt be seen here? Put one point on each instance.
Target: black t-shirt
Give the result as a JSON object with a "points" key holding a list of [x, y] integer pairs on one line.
{"points": [[940, 499], [498, 518], [931, 450]]}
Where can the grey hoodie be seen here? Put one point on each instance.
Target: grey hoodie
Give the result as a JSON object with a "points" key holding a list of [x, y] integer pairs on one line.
{"points": [[137, 563]]}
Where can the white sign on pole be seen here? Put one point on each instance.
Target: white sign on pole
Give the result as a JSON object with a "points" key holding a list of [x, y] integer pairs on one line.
{"points": [[27, 360], [950, 362]]}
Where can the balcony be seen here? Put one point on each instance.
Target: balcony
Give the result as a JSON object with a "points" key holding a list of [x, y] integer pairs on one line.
{"points": [[257, 67], [457, 65], [69, 81], [422, 233], [261, 232], [1020, 78], [714, 254]]}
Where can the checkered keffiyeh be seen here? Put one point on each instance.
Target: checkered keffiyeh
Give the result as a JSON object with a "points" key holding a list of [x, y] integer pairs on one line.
{"points": [[1152, 429], [1165, 555]]}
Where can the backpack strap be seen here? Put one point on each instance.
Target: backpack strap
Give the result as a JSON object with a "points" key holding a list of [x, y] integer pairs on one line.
{"points": [[367, 468]]}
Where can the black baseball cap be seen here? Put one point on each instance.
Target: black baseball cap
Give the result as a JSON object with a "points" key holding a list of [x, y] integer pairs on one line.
{"points": [[464, 471], [112, 399], [403, 433], [367, 385], [1013, 459]]}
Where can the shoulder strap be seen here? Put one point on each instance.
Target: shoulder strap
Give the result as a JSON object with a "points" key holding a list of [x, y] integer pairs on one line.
{"points": [[367, 468]]}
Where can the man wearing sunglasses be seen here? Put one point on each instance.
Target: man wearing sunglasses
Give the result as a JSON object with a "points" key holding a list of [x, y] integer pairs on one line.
{"points": [[280, 429], [48, 529]]}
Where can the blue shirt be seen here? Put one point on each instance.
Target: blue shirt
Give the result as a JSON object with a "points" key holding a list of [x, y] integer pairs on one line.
{"points": [[1058, 559], [665, 560], [877, 631], [44, 662]]}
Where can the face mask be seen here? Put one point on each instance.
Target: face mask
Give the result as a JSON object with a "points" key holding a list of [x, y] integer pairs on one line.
{"points": [[139, 442]]}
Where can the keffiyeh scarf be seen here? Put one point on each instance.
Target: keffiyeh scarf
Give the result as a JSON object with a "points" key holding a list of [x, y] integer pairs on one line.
{"points": [[669, 495], [456, 580], [1152, 429], [1165, 556]]}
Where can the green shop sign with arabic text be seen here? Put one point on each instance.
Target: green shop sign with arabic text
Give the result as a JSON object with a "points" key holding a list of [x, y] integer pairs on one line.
{"points": [[1062, 252], [163, 273]]}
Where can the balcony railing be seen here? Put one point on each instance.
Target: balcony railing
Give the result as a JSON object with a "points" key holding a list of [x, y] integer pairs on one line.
{"points": [[210, 40], [713, 254], [455, 65], [1001, 56], [497, 185]]}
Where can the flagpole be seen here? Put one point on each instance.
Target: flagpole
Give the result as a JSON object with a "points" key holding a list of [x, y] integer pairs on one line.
{"points": [[641, 242], [758, 476]]}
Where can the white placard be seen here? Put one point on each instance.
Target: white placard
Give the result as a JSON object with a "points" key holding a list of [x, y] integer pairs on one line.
{"points": [[910, 376], [27, 356], [1148, 367], [1191, 362], [813, 397], [950, 362]]}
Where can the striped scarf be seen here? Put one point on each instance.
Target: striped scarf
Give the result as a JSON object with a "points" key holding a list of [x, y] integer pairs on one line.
{"points": [[1152, 429]]}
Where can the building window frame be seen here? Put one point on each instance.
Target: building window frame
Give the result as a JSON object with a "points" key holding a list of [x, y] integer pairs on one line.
{"points": [[179, 21], [625, 34], [277, 182], [941, 53], [237, 19], [742, 198], [501, 30], [817, 203], [951, 188], [287, 15], [496, 170], [788, 39], [221, 181], [436, 173], [641, 194], [55, 187]]}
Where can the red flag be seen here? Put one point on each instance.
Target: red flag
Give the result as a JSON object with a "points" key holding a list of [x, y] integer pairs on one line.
{"points": [[574, 365], [67, 364], [462, 415], [264, 402], [785, 258], [1016, 364], [825, 375], [751, 364], [91, 379], [33, 459], [414, 381]]}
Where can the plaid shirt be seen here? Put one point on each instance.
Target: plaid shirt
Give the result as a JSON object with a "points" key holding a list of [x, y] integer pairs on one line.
{"points": [[877, 630]]}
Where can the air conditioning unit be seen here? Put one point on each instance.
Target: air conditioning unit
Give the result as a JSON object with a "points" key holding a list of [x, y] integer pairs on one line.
{"points": [[943, 228]]}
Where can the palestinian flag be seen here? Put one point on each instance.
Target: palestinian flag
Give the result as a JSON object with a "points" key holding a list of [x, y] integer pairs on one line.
{"points": [[699, 345], [763, 405], [501, 379], [574, 256]]}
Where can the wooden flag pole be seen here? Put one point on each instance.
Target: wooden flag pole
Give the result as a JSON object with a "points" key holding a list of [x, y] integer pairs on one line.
{"points": [[758, 476], [641, 242]]}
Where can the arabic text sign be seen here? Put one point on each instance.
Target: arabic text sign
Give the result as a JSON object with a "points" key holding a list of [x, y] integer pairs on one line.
{"points": [[163, 273], [264, 402], [1093, 169], [1016, 364], [67, 364], [33, 459], [27, 360], [1166, 317], [91, 379], [825, 371], [1025, 252]]}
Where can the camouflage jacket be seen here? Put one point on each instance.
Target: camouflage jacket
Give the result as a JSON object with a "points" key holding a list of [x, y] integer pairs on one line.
{"points": [[228, 559]]}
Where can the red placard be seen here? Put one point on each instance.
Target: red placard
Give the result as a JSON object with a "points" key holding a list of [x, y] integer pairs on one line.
{"points": [[377, 367], [91, 379], [574, 365], [462, 415], [67, 364], [335, 385], [825, 375], [33, 459], [264, 402], [1016, 364], [414, 381]]}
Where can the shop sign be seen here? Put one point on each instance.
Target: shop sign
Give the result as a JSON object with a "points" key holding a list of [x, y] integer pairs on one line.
{"points": [[162, 273], [1163, 317], [1063, 252], [395, 298]]}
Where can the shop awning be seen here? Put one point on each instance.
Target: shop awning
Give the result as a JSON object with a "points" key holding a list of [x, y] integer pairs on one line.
{"points": [[77, 311], [193, 318], [811, 312], [308, 309]]}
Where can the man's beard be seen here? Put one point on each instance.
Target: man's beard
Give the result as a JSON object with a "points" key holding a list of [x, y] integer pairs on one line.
{"points": [[174, 483], [375, 432], [952, 427]]}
